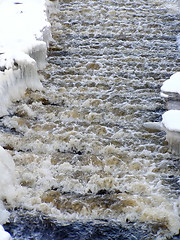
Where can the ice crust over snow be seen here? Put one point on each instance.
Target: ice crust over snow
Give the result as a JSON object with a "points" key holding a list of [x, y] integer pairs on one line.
{"points": [[24, 37]]}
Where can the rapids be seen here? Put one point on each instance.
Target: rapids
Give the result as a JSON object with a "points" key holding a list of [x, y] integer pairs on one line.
{"points": [[79, 145]]}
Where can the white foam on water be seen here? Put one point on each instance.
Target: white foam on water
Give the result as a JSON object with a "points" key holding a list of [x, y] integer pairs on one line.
{"points": [[173, 6], [131, 178]]}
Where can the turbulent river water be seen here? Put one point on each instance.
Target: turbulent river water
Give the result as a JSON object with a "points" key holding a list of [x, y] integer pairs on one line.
{"points": [[87, 167]]}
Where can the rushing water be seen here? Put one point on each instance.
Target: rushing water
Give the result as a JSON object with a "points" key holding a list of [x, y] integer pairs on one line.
{"points": [[83, 158]]}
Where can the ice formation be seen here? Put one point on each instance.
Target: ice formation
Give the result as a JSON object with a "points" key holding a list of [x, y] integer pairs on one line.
{"points": [[171, 90], [171, 118], [153, 126], [25, 34], [172, 85], [4, 235], [7, 184], [171, 124]]}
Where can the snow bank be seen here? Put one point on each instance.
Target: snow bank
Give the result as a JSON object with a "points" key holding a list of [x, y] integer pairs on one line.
{"points": [[25, 34]]}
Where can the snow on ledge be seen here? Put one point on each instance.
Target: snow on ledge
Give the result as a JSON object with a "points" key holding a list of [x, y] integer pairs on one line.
{"points": [[25, 34], [171, 120], [172, 85]]}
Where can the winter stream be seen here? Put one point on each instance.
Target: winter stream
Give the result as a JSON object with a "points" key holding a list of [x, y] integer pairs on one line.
{"points": [[87, 167]]}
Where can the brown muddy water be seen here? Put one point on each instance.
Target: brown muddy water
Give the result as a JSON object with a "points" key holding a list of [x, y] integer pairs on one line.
{"points": [[87, 167]]}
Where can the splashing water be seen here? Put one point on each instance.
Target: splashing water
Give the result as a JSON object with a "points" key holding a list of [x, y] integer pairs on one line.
{"points": [[79, 146]]}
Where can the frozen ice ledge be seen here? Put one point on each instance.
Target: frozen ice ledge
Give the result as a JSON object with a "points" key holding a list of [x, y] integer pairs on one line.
{"points": [[24, 37], [171, 87], [171, 123], [171, 119]]}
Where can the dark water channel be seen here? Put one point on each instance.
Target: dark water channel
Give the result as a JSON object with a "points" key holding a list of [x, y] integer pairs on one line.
{"points": [[87, 166]]}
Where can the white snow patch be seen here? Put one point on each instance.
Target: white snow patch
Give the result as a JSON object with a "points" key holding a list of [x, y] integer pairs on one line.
{"points": [[4, 235], [172, 85], [171, 120], [25, 35]]}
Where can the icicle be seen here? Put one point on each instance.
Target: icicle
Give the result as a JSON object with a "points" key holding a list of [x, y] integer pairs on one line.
{"points": [[16, 79], [23, 50]]}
